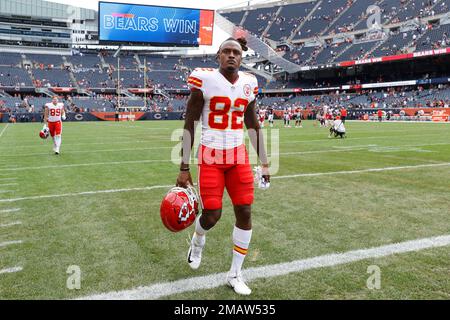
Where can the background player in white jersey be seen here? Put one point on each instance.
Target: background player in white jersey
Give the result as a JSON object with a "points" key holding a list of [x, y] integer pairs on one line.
{"points": [[262, 117], [298, 117], [224, 99], [270, 116], [287, 117], [53, 114]]}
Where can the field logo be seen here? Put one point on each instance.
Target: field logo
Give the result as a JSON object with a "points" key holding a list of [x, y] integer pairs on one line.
{"points": [[374, 281], [74, 280]]}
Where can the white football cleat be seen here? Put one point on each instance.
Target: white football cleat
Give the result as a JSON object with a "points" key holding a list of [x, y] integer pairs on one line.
{"points": [[236, 282], [194, 256]]}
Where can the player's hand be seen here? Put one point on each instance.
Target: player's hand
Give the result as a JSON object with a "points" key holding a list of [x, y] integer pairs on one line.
{"points": [[265, 173], [184, 179]]}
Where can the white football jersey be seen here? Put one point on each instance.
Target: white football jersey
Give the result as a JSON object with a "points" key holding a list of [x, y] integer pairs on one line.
{"points": [[54, 111], [224, 107]]}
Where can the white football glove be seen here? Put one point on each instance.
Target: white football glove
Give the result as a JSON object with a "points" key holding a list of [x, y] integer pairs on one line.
{"points": [[259, 179], [63, 117]]}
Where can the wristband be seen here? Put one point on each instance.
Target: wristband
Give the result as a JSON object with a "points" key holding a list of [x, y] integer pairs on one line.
{"points": [[184, 169]]}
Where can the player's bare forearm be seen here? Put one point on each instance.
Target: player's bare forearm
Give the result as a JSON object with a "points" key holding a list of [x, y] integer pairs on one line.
{"points": [[255, 133], [45, 115], [193, 113]]}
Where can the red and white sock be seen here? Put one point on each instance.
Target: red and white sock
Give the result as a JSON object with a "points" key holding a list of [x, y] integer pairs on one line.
{"points": [[241, 241]]}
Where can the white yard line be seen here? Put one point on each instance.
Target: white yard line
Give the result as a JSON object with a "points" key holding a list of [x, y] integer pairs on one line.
{"points": [[4, 129], [274, 177], [362, 170], [8, 243], [39, 145], [85, 151], [11, 270], [10, 210], [159, 290], [83, 165], [15, 223], [9, 179], [8, 184], [76, 194], [359, 138]]}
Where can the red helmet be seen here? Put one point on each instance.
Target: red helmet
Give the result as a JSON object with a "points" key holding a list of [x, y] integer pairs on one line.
{"points": [[179, 208], [44, 133]]}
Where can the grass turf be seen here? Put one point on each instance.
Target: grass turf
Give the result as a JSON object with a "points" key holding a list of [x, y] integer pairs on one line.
{"points": [[119, 242]]}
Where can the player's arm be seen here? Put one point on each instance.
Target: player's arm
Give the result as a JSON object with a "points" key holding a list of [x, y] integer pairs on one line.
{"points": [[45, 116], [256, 137], [193, 113], [63, 113]]}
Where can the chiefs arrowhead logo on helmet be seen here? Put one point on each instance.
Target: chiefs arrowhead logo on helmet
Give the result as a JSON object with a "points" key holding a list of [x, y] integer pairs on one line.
{"points": [[179, 208], [44, 133]]}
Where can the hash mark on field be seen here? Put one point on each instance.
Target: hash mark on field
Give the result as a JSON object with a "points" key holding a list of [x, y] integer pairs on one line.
{"points": [[8, 243], [8, 184], [9, 179], [275, 177], [15, 223], [10, 210], [11, 270], [212, 281]]}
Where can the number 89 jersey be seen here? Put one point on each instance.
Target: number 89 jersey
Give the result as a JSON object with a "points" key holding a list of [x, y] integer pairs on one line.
{"points": [[54, 111], [225, 105]]}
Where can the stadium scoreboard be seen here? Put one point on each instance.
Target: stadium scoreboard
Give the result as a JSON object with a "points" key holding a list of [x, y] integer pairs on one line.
{"points": [[154, 25]]}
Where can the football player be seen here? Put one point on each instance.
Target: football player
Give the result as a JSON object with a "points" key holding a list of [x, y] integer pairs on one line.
{"points": [[287, 117], [224, 100], [54, 113], [262, 117], [298, 117], [270, 116]]}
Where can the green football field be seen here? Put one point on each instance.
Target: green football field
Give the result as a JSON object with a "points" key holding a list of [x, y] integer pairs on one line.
{"points": [[96, 206]]}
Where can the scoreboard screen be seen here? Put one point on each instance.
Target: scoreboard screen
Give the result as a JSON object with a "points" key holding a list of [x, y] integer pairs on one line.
{"points": [[155, 25]]}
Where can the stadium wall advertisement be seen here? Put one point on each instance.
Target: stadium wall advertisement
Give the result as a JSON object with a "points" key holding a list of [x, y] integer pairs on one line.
{"points": [[407, 114], [99, 116], [158, 25]]}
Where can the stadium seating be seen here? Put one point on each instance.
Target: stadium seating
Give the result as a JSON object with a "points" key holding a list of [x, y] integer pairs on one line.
{"points": [[126, 62], [321, 18], [84, 61], [234, 17], [258, 19], [93, 79], [193, 63], [10, 76], [330, 52], [45, 61], [358, 51], [10, 59], [289, 19], [434, 38], [52, 78]]}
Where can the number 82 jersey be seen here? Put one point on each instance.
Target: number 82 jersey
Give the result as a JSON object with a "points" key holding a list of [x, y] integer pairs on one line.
{"points": [[224, 106]]}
